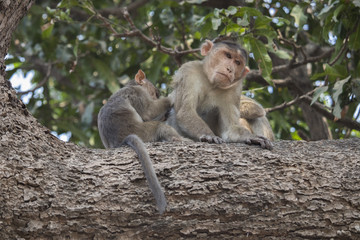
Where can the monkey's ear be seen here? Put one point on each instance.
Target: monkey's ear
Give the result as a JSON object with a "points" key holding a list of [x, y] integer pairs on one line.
{"points": [[206, 47], [140, 77], [246, 70]]}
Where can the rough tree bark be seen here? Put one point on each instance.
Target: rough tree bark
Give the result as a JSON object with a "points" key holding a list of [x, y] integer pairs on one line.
{"points": [[55, 190]]}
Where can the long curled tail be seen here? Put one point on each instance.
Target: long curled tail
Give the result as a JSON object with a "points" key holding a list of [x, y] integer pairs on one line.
{"points": [[138, 145]]}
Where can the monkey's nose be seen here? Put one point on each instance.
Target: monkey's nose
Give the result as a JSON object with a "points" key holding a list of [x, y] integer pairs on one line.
{"points": [[229, 70]]}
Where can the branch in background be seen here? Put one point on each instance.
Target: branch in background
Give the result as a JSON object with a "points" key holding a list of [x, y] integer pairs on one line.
{"points": [[40, 84], [323, 111], [134, 31], [303, 62], [288, 104], [320, 108], [80, 15]]}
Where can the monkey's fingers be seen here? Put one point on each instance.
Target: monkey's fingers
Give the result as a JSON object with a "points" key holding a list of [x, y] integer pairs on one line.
{"points": [[211, 139], [260, 140]]}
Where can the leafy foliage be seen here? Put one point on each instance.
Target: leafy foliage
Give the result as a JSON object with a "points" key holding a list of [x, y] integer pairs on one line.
{"points": [[79, 60]]}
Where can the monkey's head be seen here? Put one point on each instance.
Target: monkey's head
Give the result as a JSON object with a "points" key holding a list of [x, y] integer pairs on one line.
{"points": [[224, 63], [140, 79]]}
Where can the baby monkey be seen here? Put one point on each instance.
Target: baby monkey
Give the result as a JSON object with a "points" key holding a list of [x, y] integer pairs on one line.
{"points": [[253, 118], [132, 115]]}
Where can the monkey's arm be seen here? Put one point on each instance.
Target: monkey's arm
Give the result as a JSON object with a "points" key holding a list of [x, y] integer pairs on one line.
{"points": [[187, 118], [155, 109]]}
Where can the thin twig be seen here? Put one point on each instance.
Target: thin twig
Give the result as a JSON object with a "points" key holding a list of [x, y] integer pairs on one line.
{"points": [[292, 102], [134, 31], [40, 84]]}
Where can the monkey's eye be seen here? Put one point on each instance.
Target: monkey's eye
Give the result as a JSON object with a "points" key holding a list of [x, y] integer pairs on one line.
{"points": [[237, 62], [228, 55]]}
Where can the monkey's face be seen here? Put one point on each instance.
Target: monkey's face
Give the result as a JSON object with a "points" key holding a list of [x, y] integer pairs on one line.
{"points": [[224, 65]]}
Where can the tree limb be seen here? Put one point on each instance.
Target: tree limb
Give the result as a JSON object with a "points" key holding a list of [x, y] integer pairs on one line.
{"points": [[320, 108]]}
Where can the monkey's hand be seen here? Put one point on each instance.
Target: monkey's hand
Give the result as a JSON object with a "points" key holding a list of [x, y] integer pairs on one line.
{"points": [[259, 140], [211, 139]]}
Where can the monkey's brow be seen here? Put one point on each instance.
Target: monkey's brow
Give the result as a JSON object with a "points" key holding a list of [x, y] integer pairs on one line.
{"points": [[238, 52]]}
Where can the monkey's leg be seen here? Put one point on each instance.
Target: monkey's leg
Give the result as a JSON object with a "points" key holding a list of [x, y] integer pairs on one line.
{"points": [[153, 131], [137, 144], [261, 127]]}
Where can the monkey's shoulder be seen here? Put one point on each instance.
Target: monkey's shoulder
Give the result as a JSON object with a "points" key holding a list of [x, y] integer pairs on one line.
{"points": [[192, 68], [191, 76]]}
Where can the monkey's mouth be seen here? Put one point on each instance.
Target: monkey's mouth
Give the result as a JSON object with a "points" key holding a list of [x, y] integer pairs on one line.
{"points": [[223, 74]]}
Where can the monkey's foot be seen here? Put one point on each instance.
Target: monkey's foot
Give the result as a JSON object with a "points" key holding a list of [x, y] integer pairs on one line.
{"points": [[211, 139], [260, 140]]}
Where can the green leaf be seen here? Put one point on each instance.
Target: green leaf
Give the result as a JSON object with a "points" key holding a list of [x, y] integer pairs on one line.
{"points": [[354, 39], [231, 11], [335, 72], [46, 30], [337, 109], [231, 27], [327, 10], [243, 21], [282, 54], [217, 12], [167, 16], [262, 58], [318, 92], [338, 88], [337, 11], [249, 11], [300, 18], [262, 22], [216, 22], [317, 76]]}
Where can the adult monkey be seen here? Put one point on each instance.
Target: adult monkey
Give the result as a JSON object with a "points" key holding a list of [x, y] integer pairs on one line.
{"points": [[207, 96]]}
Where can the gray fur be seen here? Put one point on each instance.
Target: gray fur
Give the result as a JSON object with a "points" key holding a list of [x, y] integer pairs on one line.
{"points": [[128, 118]]}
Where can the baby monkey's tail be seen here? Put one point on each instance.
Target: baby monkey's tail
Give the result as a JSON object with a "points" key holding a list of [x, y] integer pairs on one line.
{"points": [[138, 145]]}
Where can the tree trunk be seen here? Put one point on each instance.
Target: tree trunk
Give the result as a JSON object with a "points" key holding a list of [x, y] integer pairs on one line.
{"points": [[55, 190]]}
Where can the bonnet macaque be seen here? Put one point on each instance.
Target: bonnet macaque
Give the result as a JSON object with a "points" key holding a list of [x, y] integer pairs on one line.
{"points": [[130, 117], [207, 96], [253, 118]]}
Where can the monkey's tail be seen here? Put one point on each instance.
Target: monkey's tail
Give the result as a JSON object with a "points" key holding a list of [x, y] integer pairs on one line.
{"points": [[138, 145]]}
